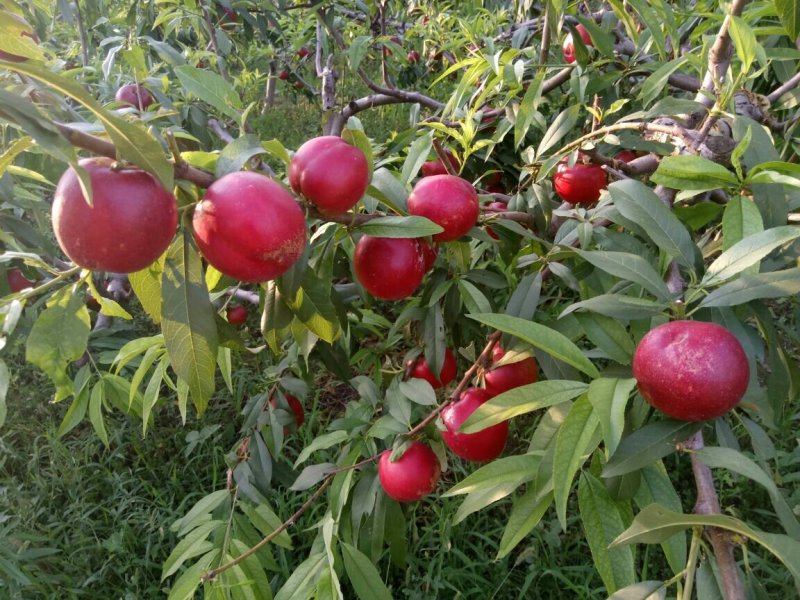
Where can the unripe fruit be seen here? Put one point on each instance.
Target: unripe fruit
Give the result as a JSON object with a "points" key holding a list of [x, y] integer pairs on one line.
{"points": [[249, 227], [691, 370], [236, 315], [389, 268], [330, 173], [569, 45], [413, 476], [447, 200], [130, 224], [437, 167], [421, 370], [17, 281], [295, 405], [26, 31], [483, 445], [579, 184], [505, 377], [135, 95], [413, 57]]}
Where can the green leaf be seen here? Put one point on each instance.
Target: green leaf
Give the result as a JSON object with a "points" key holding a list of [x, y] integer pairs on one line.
{"points": [[609, 335], [656, 486], [190, 333], [302, 581], [551, 341], [186, 585], [744, 41], [266, 521], [525, 298], [527, 513], [474, 300], [59, 337], [747, 252], [628, 267], [648, 444], [692, 173], [358, 49], [77, 410], [653, 25], [131, 139], [419, 391], [644, 590], [249, 575], [276, 317], [96, 411], [521, 400], [655, 83], [321, 442], [314, 308], [740, 219], [235, 155], [201, 511], [561, 126], [400, 227], [639, 204], [211, 89], [574, 441], [610, 398], [726, 458], [417, 155], [655, 524], [602, 523], [789, 14], [778, 284], [193, 544], [617, 306], [510, 469], [363, 575], [4, 379]]}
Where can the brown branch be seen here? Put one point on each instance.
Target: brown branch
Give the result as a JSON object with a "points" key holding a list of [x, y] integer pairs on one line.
{"points": [[544, 49], [213, 41], [719, 57], [781, 90], [82, 33]]}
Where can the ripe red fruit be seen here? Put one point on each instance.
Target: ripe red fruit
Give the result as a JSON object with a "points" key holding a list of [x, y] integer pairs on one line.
{"points": [[92, 303], [302, 52], [483, 445], [135, 95], [499, 206], [413, 57], [231, 15], [413, 476], [389, 268], [579, 184], [17, 281], [249, 227], [505, 377], [437, 167], [130, 224], [626, 155], [283, 75], [691, 370], [447, 200], [569, 45], [330, 173], [26, 30], [295, 405], [429, 253], [236, 315], [421, 370]]}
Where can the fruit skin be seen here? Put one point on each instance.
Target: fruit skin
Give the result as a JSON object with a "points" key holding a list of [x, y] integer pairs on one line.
{"points": [[413, 57], [330, 173], [413, 476], [626, 155], [295, 405], [437, 167], [283, 75], [691, 370], [302, 52], [131, 223], [131, 94], [429, 253], [236, 315], [447, 200], [569, 45], [249, 227], [389, 268], [483, 445], [17, 281], [27, 32], [505, 377], [579, 184], [499, 206], [421, 370]]}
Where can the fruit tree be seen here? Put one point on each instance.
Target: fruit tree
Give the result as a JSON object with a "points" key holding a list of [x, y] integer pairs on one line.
{"points": [[535, 260]]}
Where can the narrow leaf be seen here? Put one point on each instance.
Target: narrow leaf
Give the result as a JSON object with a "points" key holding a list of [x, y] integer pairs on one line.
{"points": [[648, 444]]}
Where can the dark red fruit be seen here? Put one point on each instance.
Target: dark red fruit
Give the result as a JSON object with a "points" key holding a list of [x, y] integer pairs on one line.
{"points": [[130, 224], [483, 445], [413, 476], [501, 206], [135, 95], [92, 303], [17, 281], [447, 200], [330, 173], [626, 155], [421, 370], [303, 52], [437, 167], [237, 314], [569, 45], [579, 184], [503, 378], [25, 29], [249, 227], [389, 268], [429, 253], [413, 57], [691, 370], [295, 405], [283, 75]]}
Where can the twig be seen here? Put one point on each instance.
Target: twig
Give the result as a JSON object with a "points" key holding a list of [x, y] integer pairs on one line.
{"points": [[213, 41], [82, 32], [719, 57], [781, 90]]}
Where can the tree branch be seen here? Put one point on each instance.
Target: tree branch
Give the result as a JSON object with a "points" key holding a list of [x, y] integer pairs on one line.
{"points": [[719, 58]]}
